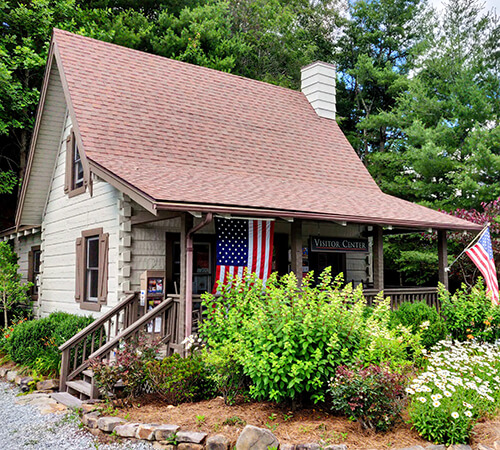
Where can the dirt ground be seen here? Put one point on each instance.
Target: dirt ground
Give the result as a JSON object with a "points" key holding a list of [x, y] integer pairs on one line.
{"points": [[304, 426]]}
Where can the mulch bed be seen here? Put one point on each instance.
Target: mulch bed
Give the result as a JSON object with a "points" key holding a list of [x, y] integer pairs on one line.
{"points": [[303, 426]]}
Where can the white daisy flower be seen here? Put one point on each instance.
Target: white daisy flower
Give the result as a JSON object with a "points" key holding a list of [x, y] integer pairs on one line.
{"points": [[455, 415]]}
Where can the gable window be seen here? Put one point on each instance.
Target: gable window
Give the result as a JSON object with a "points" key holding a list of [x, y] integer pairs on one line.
{"points": [[91, 288], [34, 256], [75, 182]]}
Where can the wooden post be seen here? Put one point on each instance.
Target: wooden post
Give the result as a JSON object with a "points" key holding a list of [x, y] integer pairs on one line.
{"points": [[296, 248], [443, 257], [186, 225], [378, 258], [63, 375]]}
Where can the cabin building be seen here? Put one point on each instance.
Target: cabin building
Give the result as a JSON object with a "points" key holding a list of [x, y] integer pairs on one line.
{"points": [[134, 156]]}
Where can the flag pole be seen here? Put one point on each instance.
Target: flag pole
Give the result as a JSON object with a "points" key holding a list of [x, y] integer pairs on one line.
{"points": [[447, 269]]}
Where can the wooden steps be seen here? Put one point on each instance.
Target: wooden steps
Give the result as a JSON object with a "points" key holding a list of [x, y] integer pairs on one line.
{"points": [[67, 399], [80, 388]]}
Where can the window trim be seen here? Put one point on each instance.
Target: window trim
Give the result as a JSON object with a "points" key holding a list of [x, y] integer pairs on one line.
{"points": [[31, 271], [69, 184], [102, 270]]}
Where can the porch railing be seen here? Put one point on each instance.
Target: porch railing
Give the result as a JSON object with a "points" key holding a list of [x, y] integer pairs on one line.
{"points": [[75, 352], [104, 336], [428, 295]]}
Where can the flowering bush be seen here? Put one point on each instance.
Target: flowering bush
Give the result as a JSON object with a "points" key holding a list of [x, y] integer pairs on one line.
{"points": [[461, 384], [373, 395]]}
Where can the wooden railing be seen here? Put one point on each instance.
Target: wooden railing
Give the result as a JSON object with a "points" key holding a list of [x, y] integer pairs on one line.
{"points": [[428, 295], [75, 352], [165, 330]]}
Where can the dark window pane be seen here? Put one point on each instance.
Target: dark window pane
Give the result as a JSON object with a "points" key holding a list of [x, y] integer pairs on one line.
{"points": [[93, 252], [92, 280], [36, 261], [78, 175]]}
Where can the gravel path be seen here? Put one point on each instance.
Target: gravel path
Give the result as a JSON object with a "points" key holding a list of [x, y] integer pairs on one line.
{"points": [[23, 427]]}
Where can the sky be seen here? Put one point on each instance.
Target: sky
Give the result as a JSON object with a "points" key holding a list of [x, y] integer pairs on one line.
{"points": [[488, 4]]}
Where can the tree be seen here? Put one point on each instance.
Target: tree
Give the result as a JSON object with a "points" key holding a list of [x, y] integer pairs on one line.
{"points": [[12, 291], [380, 43], [449, 117]]}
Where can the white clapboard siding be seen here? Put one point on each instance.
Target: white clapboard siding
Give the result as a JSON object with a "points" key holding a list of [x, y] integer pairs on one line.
{"points": [[64, 220], [47, 146]]}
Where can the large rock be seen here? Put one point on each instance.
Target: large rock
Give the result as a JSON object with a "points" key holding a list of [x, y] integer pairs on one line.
{"points": [[309, 446], [287, 446], [483, 447], [3, 372], [496, 445], [336, 447], [146, 431], [127, 429], [256, 439], [459, 447], [189, 446], [90, 419], [435, 447], [414, 447], [165, 431], [192, 437], [47, 385], [11, 375], [217, 442], [108, 424], [163, 445]]}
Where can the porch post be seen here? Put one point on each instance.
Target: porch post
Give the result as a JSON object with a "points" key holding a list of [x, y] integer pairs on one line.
{"points": [[443, 257], [296, 248], [186, 225], [378, 258]]}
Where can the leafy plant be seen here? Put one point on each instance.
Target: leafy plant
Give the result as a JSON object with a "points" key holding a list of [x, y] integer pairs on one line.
{"points": [[177, 380], [420, 318], [235, 420], [288, 342], [373, 395], [469, 314], [129, 367], [12, 291], [34, 343], [200, 420]]}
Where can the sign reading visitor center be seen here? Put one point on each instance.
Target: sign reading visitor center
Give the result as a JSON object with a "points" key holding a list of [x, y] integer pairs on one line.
{"points": [[327, 244]]}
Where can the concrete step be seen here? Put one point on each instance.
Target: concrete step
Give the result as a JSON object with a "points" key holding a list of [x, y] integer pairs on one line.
{"points": [[84, 387], [66, 399]]}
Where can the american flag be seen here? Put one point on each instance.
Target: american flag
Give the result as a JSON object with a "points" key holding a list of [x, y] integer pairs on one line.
{"points": [[482, 256], [243, 244]]}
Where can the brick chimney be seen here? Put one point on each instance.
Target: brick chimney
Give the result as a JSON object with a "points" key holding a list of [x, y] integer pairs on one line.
{"points": [[318, 85]]}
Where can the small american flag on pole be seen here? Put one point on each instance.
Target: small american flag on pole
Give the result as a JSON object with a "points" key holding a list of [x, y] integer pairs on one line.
{"points": [[241, 244], [482, 256]]}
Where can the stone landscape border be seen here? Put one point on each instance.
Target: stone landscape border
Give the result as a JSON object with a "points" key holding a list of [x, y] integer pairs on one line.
{"points": [[171, 437]]}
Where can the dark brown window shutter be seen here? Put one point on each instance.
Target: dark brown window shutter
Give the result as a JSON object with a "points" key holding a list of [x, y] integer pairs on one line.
{"points": [[103, 267], [69, 163], [80, 270]]}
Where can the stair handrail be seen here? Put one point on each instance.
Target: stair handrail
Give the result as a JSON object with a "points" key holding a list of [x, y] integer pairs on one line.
{"points": [[98, 322], [127, 332]]}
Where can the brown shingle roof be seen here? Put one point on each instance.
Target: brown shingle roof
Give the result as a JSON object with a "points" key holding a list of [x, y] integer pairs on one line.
{"points": [[184, 133]]}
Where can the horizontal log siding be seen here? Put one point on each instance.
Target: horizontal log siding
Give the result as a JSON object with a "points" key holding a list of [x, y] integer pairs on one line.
{"points": [[64, 220]]}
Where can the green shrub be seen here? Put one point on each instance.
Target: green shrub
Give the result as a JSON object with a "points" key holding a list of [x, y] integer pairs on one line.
{"points": [[460, 386], [35, 343], [288, 342], [399, 347], [469, 314], [423, 319], [373, 395], [178, 380], [225, 371]]}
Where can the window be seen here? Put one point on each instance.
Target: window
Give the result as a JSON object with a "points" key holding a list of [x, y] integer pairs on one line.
{"points": [[92, 268], [75, 180], [91, 288], [34, 270]]}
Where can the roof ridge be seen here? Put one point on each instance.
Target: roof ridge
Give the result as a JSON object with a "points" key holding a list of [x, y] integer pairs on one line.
{"points": [[176, 61]]}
